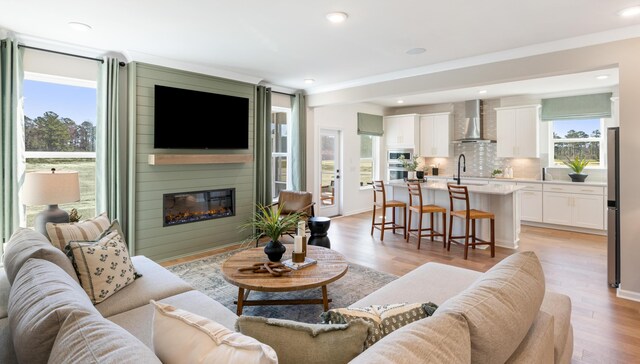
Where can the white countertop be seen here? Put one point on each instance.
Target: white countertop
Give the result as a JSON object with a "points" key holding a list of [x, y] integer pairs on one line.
{"points": [[489, 189], [527, 180]]}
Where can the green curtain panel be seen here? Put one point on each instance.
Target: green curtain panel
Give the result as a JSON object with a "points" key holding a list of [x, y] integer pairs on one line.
{"points": [[263, 145], [577, 107], [299, 143], [369, 124], [111, 147], [12, 137]]}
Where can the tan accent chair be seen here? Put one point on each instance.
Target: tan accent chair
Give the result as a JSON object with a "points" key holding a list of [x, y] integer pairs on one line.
{"points": [[295, 202], [380, 200], [457, 192], [416, 205]]}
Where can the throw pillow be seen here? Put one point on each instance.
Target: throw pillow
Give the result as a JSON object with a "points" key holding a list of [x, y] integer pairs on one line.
{"points": [[296, 342], [443, 338], [180, 336], [61, 234], [385, 319], [103, 267]]}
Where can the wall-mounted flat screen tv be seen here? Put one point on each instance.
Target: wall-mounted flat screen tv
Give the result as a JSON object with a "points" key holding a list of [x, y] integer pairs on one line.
{"points": [[188, 119]]}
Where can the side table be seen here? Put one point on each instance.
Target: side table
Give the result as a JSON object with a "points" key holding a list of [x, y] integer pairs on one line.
{"points": [[319, 227]]}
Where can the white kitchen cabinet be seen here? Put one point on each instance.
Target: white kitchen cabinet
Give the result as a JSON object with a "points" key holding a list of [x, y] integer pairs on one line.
{"points": [[557, 208], [578, 210], [588, 212], [436, 131], [517, 131], [402, 131], [531, 202]]}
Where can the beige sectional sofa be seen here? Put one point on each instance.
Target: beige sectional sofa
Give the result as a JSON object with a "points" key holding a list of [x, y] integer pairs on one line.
{"points": [[502, 315]]}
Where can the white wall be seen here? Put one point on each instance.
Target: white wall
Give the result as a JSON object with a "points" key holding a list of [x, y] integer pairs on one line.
{"points": [[344, 118]]}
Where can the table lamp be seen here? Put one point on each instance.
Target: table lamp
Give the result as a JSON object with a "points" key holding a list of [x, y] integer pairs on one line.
{"points": [[50, 188]]}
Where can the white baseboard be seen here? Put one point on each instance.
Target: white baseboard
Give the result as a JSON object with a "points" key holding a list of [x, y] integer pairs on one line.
{"points": [[628, 295], [565, 228]]}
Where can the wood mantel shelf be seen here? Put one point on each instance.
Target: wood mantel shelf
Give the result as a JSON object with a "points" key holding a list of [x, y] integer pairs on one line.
{"points": [[172, 159]]}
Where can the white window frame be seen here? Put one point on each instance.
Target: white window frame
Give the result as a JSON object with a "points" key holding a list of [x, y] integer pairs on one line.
{"points": [[375, 151], [602, 140], [287, 111]]}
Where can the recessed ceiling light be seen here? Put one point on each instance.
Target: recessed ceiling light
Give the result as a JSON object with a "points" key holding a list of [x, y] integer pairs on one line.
{"points": [[81, 27], [337, 17], [482, 92], [629, 12], [309, 81], [416, 51], [400, 101], [602, 77]]}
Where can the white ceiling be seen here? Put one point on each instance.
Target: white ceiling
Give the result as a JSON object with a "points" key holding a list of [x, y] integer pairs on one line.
{"points": [[556, 86], [286, 41]]}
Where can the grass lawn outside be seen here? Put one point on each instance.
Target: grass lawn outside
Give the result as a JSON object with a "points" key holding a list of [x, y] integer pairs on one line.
{"points": [[87, 172]]}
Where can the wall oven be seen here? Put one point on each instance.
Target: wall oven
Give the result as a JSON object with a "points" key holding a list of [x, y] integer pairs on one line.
{"points": [[395, 170]]}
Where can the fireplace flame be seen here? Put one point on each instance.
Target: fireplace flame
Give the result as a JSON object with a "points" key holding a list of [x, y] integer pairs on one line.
{"points": [[190, 216]]}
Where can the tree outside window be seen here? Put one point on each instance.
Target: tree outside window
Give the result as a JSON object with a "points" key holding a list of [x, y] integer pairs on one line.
{"points": [[60, 133], [280, 150], [367, 159], [578, 138]]}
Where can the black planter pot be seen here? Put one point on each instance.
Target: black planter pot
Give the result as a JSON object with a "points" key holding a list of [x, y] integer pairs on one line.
{"points": [[578, 177], [274, 250], [419, 174]]}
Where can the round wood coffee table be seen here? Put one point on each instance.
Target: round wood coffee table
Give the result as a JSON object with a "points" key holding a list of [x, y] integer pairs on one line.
{"points": [[330, 267]]}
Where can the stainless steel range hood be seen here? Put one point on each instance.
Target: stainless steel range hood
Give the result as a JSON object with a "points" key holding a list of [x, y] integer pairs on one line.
{"points": [[473, 123]]}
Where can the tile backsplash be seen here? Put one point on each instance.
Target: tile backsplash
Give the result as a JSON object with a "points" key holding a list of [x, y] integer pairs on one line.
{"points": [[481, 158]]}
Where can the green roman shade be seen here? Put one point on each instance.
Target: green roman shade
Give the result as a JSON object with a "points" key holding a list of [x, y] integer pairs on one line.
{"points": [[370, 124], [577, 107]]}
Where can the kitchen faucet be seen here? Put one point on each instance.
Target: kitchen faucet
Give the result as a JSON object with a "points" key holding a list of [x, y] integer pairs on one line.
{"points": [[464, 166]]}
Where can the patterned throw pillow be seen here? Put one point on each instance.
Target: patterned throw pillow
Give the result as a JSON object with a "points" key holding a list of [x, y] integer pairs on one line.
{"points": [[103, 267], [385, 318], [88, 230]]}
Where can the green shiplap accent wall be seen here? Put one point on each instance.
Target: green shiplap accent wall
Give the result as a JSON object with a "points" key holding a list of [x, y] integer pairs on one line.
{"points": [[151, 182]]}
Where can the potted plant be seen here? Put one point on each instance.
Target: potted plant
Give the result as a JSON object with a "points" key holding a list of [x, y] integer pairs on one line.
{"points": [[577, 164], [270, 222], [496, 173], [410, 165]]}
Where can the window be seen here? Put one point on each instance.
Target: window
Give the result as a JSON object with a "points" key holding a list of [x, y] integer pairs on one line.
{"points": [[368, 147], [280, 131], [578, 138], [60, 132]]}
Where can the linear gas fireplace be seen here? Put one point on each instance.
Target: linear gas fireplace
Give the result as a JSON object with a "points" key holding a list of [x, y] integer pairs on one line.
{"points": [[184, 207]]}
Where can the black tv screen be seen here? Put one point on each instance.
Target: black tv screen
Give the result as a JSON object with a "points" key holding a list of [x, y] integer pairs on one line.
{"points": [[188, 119]]}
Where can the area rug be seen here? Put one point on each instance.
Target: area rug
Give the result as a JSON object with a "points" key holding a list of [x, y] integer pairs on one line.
{"points": [[205, 276]]}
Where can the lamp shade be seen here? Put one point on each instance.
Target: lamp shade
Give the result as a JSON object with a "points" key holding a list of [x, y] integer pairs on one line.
{"points": [[50, 188]]}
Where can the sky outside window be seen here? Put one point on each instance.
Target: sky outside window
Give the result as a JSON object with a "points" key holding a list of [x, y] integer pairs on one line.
{"points": [[561, 127], [73, 102]]}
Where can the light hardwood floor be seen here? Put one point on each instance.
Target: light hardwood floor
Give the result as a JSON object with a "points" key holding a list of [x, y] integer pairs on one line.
{"points": [[606, 328]]}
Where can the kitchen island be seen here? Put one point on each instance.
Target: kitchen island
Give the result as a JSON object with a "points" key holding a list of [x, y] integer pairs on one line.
{"points": [[500, 199]]}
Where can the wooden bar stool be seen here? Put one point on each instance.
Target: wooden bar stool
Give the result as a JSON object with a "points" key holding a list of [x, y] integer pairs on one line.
{"points": [[457, 192], [380, 200], [415, 204]]}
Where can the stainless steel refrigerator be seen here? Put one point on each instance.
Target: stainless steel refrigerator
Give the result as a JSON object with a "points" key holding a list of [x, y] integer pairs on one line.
{"points": [[613, 207]]}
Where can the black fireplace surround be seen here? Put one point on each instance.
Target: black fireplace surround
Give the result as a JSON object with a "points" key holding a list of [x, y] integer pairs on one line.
{"points": [[184, 207]]}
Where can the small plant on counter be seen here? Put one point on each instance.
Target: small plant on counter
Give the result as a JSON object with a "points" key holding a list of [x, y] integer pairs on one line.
{"points": [[410, 165], [496, 173], [576, 164]]}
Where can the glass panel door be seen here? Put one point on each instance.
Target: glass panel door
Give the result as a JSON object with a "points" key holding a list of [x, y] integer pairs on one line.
{"points": [[330, 172]]}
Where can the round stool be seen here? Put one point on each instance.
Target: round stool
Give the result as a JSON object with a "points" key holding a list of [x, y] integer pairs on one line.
{"points": [[319, 227]]}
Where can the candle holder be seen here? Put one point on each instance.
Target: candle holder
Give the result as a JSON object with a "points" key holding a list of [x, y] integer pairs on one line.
{"points": [[297, 257]]}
